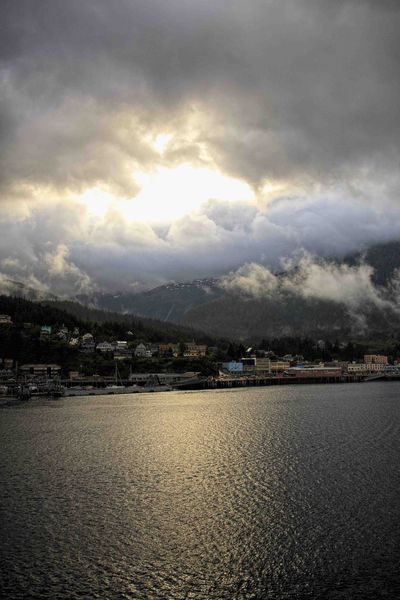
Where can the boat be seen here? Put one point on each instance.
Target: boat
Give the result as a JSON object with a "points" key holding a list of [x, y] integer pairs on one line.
{"points": [[101, 391], [152, 384]]}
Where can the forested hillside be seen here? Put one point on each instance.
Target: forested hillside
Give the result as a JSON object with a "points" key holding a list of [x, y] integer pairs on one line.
{"points": [[21, 340], [205, 305]]}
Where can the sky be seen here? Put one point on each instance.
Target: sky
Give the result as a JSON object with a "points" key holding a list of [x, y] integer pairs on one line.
{"points": [[145, 141]]}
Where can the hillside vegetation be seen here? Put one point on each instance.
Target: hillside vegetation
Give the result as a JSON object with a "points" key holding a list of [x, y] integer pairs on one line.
{"points": [[204, 305]]}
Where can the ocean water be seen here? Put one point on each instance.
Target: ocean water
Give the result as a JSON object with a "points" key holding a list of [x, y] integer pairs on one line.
{"points": [[289, 492]]}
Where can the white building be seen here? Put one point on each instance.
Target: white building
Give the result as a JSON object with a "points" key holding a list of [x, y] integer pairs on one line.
{"points": [[5, 320], [87, 337], [365, 367], [141, 351], [105, 347], [122, 350]]}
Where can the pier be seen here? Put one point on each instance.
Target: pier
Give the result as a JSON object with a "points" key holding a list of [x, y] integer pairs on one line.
{"points": [[238, 382]]}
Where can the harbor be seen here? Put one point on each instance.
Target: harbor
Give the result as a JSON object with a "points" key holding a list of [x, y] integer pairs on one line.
{"points": [[62, 388]]}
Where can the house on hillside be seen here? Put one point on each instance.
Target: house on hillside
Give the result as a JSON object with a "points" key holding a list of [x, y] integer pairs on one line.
{"points": [[142, 351], [105, 347], [63, 333], [122, 350], [193, 350], [87, 344], [5, 320], [45, 331], [168, 350]]}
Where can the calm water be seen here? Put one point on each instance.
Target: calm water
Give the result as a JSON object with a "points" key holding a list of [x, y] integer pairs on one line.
{"points": [[288, 492]]}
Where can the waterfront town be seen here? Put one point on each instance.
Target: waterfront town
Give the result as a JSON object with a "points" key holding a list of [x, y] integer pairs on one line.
{"points": [[110, 365]]}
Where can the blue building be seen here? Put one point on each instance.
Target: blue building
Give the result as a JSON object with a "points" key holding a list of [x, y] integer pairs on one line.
{"points": [[233, 366]]}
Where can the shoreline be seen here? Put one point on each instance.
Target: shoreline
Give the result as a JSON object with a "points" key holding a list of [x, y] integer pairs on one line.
{"points": [[202, 385]]}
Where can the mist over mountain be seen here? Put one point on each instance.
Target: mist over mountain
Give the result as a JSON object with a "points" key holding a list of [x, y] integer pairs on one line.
{"points": [[353, 297], [356, 296], [170, 302]]}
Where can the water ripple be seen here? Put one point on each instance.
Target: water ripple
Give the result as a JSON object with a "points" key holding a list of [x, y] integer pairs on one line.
{"points": [[249, 494]]}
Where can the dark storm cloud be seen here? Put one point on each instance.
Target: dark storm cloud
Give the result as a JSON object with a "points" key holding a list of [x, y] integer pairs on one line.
{"points": [[298, 88], [302, 91]]}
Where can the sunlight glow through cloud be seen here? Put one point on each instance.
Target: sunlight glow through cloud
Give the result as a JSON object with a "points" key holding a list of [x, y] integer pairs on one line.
{"points": [[161, 142], [168, 194], [97, 202]]}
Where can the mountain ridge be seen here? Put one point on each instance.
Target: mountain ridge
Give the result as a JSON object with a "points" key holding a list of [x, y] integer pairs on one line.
{"points": [[204, 305]]}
